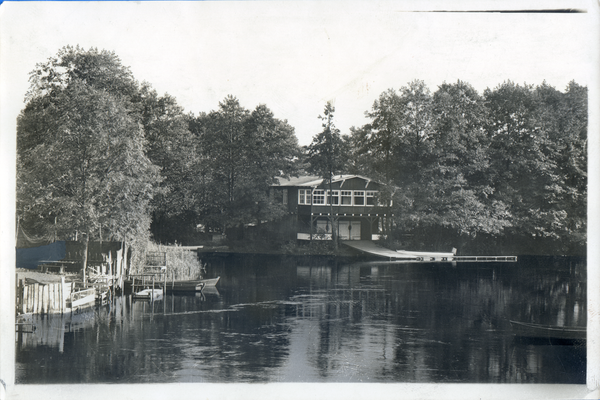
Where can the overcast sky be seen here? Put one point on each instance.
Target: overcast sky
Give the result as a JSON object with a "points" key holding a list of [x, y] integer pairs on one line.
{"points": [[296, 56]]}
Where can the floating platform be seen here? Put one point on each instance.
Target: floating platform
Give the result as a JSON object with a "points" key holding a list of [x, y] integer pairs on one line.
{"points": [[404, 256]]}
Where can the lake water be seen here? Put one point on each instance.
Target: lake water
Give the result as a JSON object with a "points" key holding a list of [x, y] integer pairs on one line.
{"points": [[278, 319]]}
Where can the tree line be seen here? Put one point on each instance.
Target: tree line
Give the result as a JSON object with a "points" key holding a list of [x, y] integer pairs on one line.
{"points": [[104, 157], [505, 170]]}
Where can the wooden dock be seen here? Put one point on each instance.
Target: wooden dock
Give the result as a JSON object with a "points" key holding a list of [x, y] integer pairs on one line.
{"points": [[54, 298], [401, 256], [43, 298]]}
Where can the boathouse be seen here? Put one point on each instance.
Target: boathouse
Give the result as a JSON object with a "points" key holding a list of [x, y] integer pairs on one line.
{"points": [[353, 205]]}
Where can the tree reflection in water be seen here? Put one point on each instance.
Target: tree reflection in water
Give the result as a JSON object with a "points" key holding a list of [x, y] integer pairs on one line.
{"points": [[274, 319]]}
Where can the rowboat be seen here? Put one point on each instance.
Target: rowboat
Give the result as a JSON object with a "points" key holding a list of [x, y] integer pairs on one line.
{"points": [[530, 330], [149, 294], [192, 286], [210, 282]]}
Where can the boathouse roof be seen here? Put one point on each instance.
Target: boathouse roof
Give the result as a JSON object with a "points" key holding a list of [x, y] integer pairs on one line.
{"points": [[313, 180]]}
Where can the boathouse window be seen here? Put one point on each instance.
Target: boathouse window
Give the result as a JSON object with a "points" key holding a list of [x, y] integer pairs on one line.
{"points": [[359, 198], [347, 197], [285, 196], [370, 198], [319, 196], [334, 198], [304, 196]]}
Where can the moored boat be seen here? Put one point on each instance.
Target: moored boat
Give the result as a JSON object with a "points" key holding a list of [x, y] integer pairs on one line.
{"points": [[193, 285], [210, 282], [538, 331], [149, 294]]}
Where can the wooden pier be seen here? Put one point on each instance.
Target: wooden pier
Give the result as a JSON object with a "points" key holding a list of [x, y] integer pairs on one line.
{"points": [[401, 256], [43, 298], [53, 298]]}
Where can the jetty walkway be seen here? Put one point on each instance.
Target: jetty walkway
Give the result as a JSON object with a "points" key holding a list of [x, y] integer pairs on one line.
{"points": [[370, 247]]}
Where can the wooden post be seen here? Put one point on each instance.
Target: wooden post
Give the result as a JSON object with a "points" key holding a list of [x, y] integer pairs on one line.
{"points": [[19, 293], [54, 297], [55, 303], [152, 294], [85, 258], [50, 297], [25, 297], [29, 298], [19, 296], [44, 299], [33, 297], [41, 299], [36, 296], [47, 297], [62, 294]]}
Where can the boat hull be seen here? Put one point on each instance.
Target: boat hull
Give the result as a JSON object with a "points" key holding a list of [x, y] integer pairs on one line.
{"points": [[192, 286], [149, 294], [537, 331]]}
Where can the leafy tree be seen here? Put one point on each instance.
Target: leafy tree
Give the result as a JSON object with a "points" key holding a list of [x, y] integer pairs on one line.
{"points": [[326, 155], [242, 153], [511, 163], [572, 162], [274, 152], [376, 143], [459, 184], [100, 69], [82, 165], [559, 208], [172, 147], [524, 132]]}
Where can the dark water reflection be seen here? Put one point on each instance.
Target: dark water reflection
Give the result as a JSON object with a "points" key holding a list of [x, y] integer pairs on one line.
{"points": [[276, 320]]}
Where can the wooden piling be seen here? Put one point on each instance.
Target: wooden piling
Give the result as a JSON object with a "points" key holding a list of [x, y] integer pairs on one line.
{"points": [[35, 297], [45, 298], [61, 295], [42, 299], [29, 298], [25, 299], [55, 303], [50, 298]]}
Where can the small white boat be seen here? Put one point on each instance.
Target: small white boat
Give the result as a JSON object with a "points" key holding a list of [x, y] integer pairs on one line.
{"points": [[82, 298], [149, 294], [427, 255]]}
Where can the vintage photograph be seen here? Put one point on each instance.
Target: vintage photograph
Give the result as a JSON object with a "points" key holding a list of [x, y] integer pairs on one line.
{"points": [[299, 192]]}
